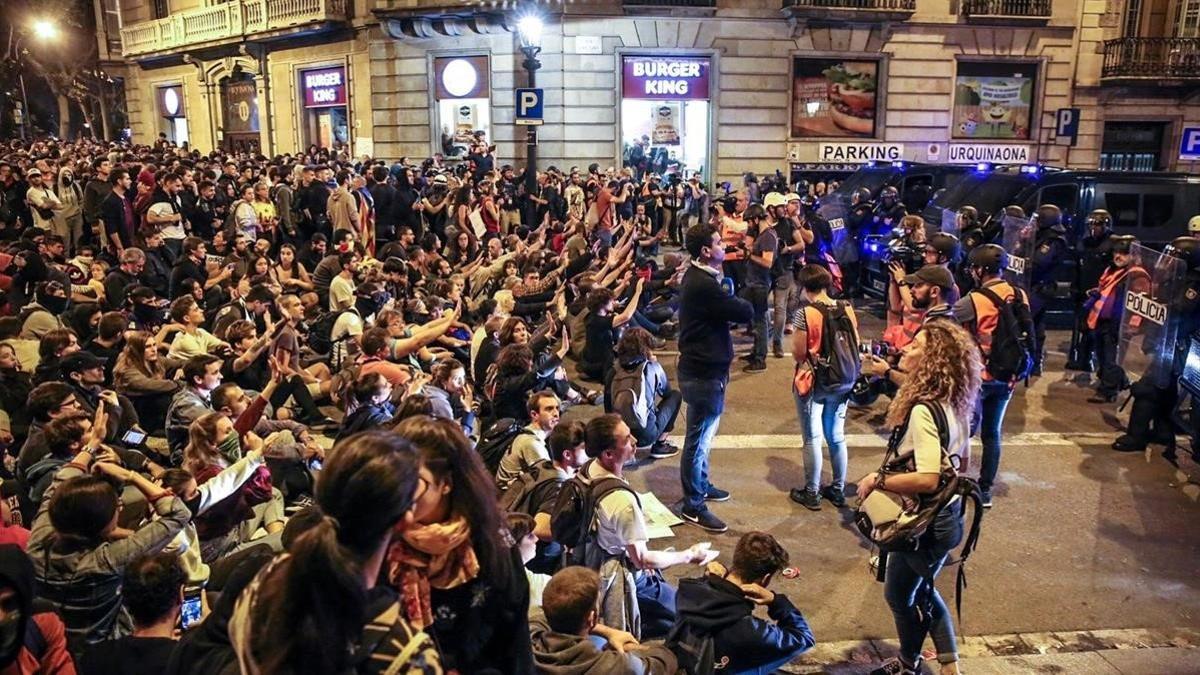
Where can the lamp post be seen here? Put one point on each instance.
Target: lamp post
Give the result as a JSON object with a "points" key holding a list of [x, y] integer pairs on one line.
{"points": [[43, 30], [529, 32]]}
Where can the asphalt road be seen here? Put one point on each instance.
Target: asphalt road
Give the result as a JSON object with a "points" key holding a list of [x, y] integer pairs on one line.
{"points": [[1081, 538]]}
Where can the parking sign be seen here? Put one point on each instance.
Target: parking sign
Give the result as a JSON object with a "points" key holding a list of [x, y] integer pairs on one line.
{"points": [[1189, 144], [529, 107], [1066, 124]]}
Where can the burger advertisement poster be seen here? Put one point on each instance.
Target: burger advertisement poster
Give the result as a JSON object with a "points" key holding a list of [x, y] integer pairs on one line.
{"points": [[993, 101], [834, 98]]}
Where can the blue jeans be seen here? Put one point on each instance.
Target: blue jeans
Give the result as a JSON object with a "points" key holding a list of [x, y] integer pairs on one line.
{"points": [[643, 321], [656, 604], [908, 587], [705, 400], [989, 412], [757, 296], [822, 422]]}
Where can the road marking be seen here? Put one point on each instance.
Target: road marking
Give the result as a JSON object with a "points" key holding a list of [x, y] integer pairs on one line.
{"points": [[752, 441]]}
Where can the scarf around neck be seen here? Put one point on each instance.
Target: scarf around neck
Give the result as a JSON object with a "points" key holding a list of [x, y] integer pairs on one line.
{"points": [[438, 555]]}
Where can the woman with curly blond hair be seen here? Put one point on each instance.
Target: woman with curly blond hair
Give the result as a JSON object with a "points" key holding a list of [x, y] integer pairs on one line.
{"points": [[943, 365]]}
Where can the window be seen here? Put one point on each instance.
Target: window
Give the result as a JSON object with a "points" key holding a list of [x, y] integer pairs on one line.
{"points": [[1132, 146], [161, 8], [917, 191], [1133, 14], [1062, 196], [1157, 209], [462, 89], [993, 100], [1121, 201]]}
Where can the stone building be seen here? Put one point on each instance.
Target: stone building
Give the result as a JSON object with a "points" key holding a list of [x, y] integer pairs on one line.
{"points": [[719, 86]]}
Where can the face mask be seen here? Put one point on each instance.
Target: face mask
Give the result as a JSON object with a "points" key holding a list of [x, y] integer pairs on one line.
{"points": [[231, 447], [67, 180], [10, 632], [145, 313], [54, 304]]}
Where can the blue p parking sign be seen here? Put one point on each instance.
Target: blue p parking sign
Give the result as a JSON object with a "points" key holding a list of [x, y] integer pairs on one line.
{"points": [[1066, 124], [1189, 144], [529, 107]]}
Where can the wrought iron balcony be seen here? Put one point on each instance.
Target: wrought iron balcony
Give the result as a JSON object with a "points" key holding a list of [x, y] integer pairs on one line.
{"points": [[1007, 11], [228, 21], [1134, 60], [850, 10]]}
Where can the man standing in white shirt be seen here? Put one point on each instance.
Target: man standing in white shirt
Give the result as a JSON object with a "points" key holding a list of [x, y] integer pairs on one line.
{"points": [[42, 202], [166, 212]]}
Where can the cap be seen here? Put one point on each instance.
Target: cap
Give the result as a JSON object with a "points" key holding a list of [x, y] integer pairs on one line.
{"points": [[80, 361], [440, 178], [792, 197], [774, 199], [1194, 226], [935, 275], [33, 172]]}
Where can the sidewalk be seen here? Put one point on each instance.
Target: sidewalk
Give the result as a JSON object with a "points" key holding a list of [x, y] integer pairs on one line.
{"points": [[1100, 652]]}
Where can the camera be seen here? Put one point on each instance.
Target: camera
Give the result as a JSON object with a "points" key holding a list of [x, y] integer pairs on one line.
{"points": [[903, 251]]}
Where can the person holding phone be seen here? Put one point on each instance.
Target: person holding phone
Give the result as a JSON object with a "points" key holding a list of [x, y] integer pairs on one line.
{"points": [[156, 598]]}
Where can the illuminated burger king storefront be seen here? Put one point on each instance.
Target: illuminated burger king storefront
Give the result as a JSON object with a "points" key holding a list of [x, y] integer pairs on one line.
{"points": [[325, 118], [666, 100]]}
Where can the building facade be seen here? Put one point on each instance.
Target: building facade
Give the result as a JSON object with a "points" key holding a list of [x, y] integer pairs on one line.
{"points": [[722, 87]]}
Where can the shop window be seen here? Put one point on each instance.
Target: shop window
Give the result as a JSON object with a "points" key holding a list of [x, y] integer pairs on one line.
{"points": [[462, 90], [1132, 146], [665, 113], [325, 118], [172, 120]]}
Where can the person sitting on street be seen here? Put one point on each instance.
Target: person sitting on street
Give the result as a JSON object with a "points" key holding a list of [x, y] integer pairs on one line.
{"points": [[641, 393]]}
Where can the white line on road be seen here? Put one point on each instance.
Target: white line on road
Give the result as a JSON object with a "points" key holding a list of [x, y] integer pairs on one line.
{"points": [[750, 441]]}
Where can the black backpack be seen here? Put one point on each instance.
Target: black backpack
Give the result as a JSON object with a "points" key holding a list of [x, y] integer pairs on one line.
{"points": [[524, 494], [320, 332], [496, 441], [695, 651], [1011, 358], [574, 517], [836, 368]]}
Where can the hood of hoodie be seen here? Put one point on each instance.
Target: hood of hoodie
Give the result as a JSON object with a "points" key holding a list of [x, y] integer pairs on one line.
{"points": [[711, 603], [16, 572], [631, 362], [562, 654]]}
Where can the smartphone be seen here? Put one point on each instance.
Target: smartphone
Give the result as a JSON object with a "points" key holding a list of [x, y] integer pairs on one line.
{"points": [[192, 612], [314, 464], [133, 437]]}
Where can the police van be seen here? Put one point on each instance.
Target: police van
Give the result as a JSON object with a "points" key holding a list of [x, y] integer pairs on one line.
{"points": [[916, 182], [1152, 206]]}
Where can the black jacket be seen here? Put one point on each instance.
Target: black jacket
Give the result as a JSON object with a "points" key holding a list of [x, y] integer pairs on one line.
{"points": [[705, 312], [714, 606]]}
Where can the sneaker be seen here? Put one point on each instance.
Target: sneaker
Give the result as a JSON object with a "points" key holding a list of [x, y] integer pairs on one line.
{"points": [[777, 351], [318, 422], [895, 666], [1102, 397], [809, 500], [716, 494], [986, 499], [1127, 443], [657, 343], [704, 519], [835, 496], [755, 367], [663, 450]]}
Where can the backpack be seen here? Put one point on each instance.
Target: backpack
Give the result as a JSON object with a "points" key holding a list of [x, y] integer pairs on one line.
{"points": [[916, 514], [341, 384], [524, 492], [695, 651], [495, 442], [837, 367], [1011, 358], [628, 391], [231, 217], [573, 521], [320, 333]]}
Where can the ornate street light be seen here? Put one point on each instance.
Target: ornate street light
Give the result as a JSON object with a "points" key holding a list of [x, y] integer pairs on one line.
{"points": [[529, 32]]}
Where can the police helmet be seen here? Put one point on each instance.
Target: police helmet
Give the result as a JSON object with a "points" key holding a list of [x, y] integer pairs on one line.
{"points": [[863, 195], [1123, 243], [1014, 211], [1049, 215], [944, 243], [801, 187], [889, 192], [969, 214], [1186, 249], [1101, 218], [863, 393], [756, 211], [988, 257]]}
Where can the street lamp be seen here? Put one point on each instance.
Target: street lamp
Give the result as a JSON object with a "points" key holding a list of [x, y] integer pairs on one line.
{"points": [[42, 29], [529, 31]]}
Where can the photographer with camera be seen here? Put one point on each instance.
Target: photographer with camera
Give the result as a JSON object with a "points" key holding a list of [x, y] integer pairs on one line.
{"points": [[904, 255], [927, 291]]}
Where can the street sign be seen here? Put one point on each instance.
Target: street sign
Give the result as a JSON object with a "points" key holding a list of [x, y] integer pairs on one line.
{"points": [[1189, 144], [529, 107], [1066, 124]]}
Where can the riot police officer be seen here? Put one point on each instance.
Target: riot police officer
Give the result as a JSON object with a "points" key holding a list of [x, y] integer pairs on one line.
{"points": [[888, 212], [970, 234], [1102, 309], [1049, 250], [1094, 255], [848, 245], [942, 249], [1154, 402]]}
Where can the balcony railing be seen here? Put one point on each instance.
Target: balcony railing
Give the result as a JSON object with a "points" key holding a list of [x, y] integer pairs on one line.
{"points": [[1032, 9], [840, 11], [227, 21], [1151, 59], [702, 4]]}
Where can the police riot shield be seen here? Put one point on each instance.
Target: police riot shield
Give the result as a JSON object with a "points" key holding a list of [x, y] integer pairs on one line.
{"points": [[950, 222], [835, 210], [1017, 238], [1149, 318]]}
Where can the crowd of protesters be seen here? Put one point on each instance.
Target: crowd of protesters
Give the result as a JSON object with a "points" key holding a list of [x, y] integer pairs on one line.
{"points": [[184, 335]]}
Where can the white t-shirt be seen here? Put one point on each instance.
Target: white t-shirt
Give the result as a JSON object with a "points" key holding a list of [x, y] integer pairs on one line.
{"points": [[170, 230], [344, 335], [525, 451], [619, 518], [922, 439], [341, 293]]}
